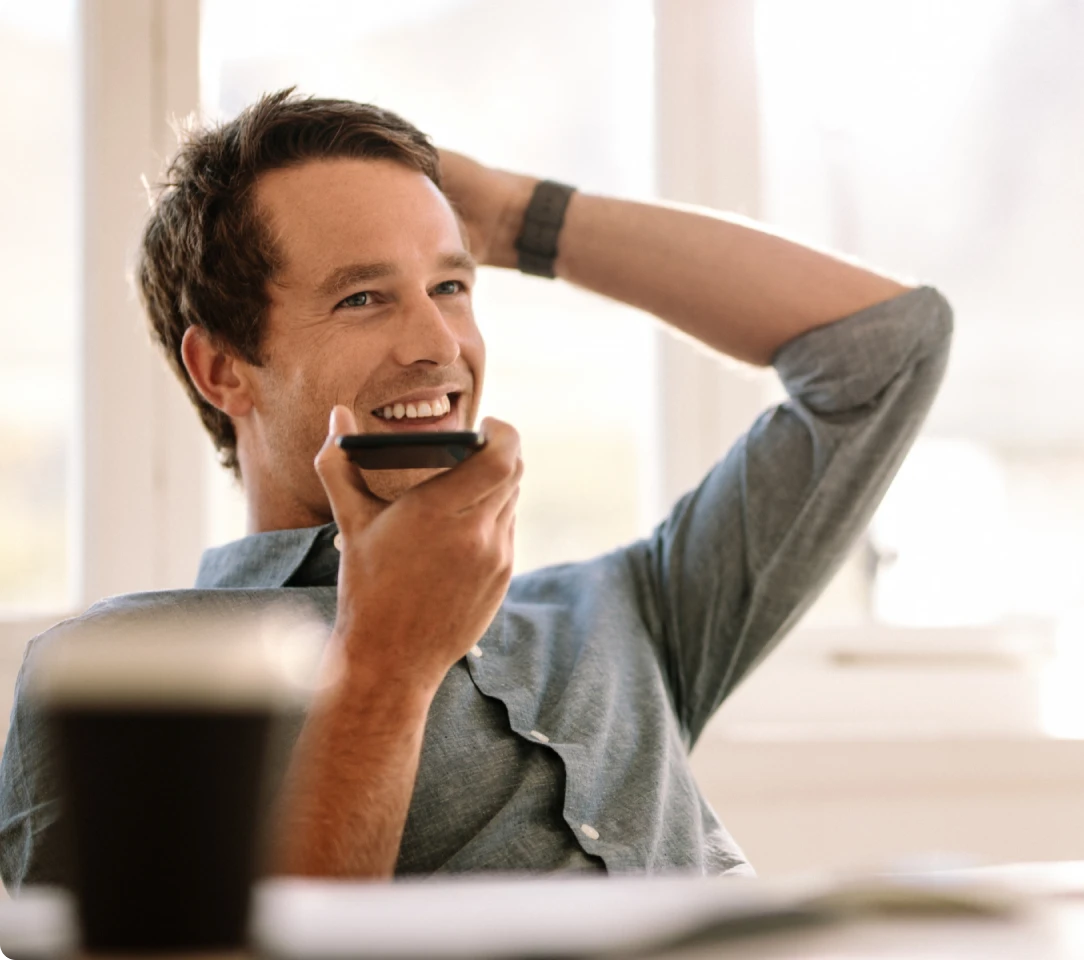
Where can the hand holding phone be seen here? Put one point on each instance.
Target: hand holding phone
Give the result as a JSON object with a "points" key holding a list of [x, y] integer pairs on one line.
{"points": [[421, 578]]}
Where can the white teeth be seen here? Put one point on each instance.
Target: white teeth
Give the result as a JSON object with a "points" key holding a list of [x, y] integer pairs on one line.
{"points": [[440, 407]]}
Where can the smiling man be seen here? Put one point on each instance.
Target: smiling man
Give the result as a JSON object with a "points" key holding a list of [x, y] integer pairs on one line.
{"points": [[314, 259]]}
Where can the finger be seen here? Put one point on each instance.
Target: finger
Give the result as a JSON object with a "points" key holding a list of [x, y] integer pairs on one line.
{"points": [[490, 500], [505, 527], [350, 499], [455, 168], [491, 468], [506, 518], [448, 157], [494, 502]]}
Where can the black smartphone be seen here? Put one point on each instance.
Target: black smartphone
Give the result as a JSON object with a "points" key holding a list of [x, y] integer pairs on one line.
{"points": [[409, 451]]}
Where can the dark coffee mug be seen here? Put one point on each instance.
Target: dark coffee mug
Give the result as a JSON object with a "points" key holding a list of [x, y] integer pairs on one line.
{"points": [[163, 746]]}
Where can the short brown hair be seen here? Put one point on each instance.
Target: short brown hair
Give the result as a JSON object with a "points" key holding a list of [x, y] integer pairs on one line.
{"points": [[206, 256]]}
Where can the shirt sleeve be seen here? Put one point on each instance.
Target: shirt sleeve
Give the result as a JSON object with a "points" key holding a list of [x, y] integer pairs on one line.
{"points": [[741, 557], [32, 849]]}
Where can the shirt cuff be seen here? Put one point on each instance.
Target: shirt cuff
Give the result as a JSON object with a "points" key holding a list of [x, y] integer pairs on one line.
{"points": [[848, 363]]}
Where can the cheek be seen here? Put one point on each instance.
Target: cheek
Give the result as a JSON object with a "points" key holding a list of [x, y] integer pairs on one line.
{"points": [[296, 396], [330, 367], [473, 348], [288, 389], [292, 419]]}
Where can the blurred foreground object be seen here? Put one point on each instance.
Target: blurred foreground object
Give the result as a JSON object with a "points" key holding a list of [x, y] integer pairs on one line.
{"points": [[987, 913], [164, 732]]}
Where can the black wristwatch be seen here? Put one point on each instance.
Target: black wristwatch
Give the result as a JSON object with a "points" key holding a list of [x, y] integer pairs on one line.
{"points": [[537, 240]]}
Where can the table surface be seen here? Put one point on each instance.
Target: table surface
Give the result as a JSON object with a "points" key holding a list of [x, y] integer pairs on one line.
{"points": [[1047, 925], [1053, 932], [1033, 912]]}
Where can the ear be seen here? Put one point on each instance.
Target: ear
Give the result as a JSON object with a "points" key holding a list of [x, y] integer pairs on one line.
{"points": [[219, 376]]}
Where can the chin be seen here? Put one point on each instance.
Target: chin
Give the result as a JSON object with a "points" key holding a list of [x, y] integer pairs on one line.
{"points": [[390, 485]]}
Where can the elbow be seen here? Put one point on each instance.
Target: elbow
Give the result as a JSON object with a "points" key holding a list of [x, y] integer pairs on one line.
{"points": [[849, 364], [939, 320]]}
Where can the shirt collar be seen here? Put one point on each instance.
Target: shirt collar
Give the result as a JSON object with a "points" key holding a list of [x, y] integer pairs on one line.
{"points": [[260, 560]]}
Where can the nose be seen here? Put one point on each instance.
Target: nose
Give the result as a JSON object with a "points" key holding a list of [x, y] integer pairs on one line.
{"points": [[427, 336]]}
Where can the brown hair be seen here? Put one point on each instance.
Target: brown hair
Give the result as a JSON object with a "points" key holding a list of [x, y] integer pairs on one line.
{"points": [[206, 256]]}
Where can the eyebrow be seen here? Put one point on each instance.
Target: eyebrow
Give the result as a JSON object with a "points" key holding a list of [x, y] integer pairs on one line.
{"points": [[355, 273]]}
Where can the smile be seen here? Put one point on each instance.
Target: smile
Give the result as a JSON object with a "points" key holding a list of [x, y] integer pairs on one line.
{"points": [[432, 409]]}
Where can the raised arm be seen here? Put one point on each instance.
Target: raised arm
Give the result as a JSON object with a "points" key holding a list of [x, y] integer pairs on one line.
{"points": [[730, 283], [861, 356]]}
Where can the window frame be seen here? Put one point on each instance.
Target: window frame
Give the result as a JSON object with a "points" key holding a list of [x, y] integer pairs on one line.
{"points": [[139, 493], [136, 490]]}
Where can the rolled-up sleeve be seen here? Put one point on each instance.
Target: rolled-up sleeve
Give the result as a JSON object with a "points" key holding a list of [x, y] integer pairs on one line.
{"points": [[742, 556]]}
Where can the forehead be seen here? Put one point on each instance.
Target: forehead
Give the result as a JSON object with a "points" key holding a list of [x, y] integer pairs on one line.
{"points": [[325, 212]]}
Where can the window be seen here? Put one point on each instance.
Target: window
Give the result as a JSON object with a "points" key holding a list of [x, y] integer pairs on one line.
{"points": [[943, 142], [38, 279], [571, 371]]}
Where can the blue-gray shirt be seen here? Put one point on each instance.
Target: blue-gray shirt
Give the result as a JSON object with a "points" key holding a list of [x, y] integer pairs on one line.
{"points": [[562, 740]]}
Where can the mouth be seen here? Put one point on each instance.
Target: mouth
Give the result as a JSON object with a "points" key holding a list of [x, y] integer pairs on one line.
{"points": [[420, 412]]}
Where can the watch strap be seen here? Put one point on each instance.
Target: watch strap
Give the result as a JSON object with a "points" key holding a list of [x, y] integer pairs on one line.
{"points": [[536, 244]]}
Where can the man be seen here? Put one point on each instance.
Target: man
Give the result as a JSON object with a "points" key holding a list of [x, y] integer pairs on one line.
{"points": [[315, 258]]}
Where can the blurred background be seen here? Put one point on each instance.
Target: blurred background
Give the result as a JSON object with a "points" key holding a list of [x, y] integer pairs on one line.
{"points": [[931, 700]]}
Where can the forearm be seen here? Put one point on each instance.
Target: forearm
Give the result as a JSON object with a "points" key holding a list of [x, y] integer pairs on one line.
{"points": [[350, 780], [729, 283]]}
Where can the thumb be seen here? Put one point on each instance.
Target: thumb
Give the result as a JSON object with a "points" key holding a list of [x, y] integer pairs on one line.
{"points": [[351, 502]]}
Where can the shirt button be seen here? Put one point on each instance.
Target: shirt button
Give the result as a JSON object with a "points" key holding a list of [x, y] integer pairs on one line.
{"points": [[338, 542], [540, 737], [588, 831], [476, 651]]}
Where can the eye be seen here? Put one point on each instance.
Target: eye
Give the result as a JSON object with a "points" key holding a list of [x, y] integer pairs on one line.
{"points": [[449, 287], [361, 299]]}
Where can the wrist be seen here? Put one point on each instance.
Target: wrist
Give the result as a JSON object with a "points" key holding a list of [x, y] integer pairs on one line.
{"points": [[366, 671], [518, 194]]}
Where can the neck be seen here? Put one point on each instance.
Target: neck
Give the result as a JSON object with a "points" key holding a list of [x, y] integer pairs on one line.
{"points": [[263, 517], [271, 506]]}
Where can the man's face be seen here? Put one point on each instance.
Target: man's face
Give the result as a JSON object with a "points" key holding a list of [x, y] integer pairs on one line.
{"points": [[371, 309]]}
